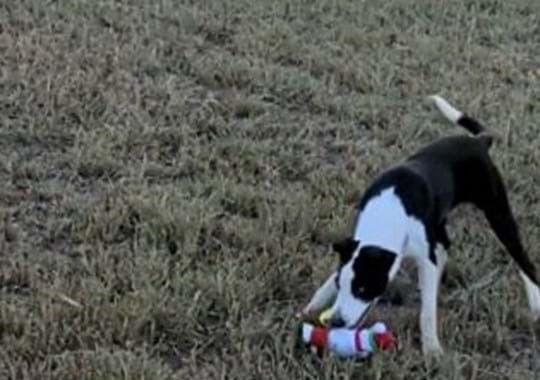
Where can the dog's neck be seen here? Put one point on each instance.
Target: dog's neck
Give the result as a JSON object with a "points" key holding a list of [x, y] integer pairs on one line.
{"points": [[383, 222]]}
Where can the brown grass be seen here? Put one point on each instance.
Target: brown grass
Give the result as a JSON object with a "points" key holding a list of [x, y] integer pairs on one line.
{"points": [[172, 172]]}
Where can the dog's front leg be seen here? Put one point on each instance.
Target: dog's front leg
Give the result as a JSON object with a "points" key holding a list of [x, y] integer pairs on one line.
{"points": [[323, 296], [428, 276]]}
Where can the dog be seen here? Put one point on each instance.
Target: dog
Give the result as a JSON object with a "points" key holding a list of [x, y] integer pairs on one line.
{"points": [[403, 214]]}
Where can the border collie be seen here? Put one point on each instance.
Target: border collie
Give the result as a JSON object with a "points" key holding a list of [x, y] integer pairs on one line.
{"points": [[403, 213]]}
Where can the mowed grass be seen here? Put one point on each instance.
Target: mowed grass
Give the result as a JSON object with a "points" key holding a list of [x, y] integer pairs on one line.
{"points": [[173, 173]]}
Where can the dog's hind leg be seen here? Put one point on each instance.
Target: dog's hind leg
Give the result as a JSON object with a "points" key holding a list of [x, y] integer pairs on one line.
{"points": [[506, 230], [533, 296], [499, 215]]}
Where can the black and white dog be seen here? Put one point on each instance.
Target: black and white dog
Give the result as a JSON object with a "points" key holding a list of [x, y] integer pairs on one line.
{"points": [[404, 213]]}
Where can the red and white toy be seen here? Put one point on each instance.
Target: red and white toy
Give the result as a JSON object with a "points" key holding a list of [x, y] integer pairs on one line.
{"points": [[348, 343]]}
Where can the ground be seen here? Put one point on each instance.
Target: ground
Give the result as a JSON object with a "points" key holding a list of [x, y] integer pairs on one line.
{"points": [[173, 173]]}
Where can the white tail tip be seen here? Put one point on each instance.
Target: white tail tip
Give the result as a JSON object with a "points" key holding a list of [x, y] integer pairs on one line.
{"points": [[447, 110]]}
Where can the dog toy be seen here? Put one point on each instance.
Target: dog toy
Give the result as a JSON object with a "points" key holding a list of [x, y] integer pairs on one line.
{"points": [[346, 343]]}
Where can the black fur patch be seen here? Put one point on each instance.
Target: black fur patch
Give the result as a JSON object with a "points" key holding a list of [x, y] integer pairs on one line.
{"points": [[345, 248], [371, 270], [486, 139], [471, 124], [416, 197]]}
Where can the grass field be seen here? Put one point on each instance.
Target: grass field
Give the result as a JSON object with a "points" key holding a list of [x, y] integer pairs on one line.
{"points": [[172, 173]]}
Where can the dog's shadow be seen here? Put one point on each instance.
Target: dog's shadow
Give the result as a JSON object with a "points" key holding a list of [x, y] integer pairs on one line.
{"points": [[400, 305], [403, 290]]}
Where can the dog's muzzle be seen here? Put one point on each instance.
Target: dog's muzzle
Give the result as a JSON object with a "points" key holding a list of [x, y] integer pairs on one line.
{"points": [[337, 321]]}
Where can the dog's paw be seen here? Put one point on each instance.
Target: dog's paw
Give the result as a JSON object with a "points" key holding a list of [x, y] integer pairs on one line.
{"points": [[306, 314], [432, 350], [535, 315]]}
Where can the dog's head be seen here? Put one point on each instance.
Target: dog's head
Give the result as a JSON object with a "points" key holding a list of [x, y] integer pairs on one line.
{"points": [[362, 277]]}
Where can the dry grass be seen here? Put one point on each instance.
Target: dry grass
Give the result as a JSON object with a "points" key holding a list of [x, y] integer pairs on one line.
{"points": [[172, 172]]}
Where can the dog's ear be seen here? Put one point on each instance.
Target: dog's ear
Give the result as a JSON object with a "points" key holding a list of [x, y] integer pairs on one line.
{"points": [[345, 248], [371, 272]]}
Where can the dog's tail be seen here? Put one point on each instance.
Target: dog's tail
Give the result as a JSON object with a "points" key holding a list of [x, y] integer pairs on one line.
{"points": [[462, 119]]}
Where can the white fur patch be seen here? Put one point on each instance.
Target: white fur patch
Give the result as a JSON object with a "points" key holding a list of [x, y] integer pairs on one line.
{"points": [[447, 110], [428, 276], [347, 306], [383, 223], [417, 243], [533, 296]]}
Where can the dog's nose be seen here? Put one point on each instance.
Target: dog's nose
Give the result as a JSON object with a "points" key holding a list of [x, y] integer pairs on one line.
{"points": [[336, 322]]}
